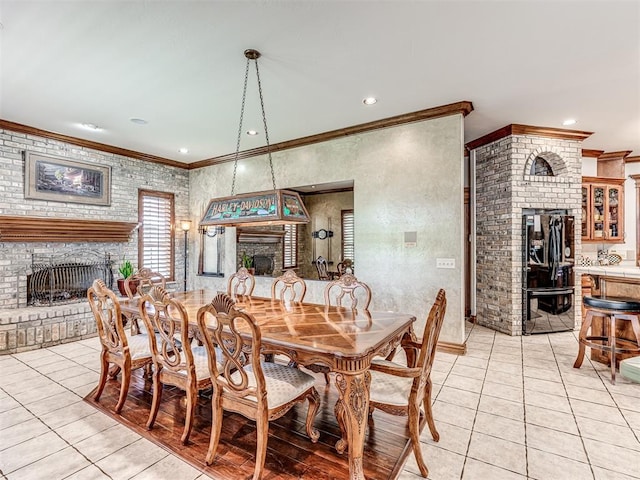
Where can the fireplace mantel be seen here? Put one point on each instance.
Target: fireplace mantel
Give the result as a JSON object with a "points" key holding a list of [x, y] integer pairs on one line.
{"points": [[68, 230]]}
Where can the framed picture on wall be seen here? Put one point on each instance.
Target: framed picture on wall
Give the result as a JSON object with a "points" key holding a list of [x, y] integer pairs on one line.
{"points": [[58, 179]]}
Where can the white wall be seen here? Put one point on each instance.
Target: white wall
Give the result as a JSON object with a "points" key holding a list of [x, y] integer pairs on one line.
{"points": [[407, 178]]}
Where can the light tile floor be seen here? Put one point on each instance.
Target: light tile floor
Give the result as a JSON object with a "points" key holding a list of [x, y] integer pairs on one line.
{"points": [[512, 408]]}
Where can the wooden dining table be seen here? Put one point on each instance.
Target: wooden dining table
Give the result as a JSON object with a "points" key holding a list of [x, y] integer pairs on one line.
{"points": [[341, 339]]}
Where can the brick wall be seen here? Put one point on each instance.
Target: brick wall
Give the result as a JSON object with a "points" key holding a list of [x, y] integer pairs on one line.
{"points": [[127, 176], [504, 188]]}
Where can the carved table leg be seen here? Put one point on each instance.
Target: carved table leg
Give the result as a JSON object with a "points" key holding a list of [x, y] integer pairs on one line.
{"points": [[352, 413]]}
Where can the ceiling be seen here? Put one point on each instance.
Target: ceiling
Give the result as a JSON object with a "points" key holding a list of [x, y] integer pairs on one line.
{"points": [[179, 65]]}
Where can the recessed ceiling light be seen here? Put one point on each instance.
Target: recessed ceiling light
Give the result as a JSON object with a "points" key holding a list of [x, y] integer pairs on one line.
{"points": [[252, 132], [369, 100], [569, 121], [183, 150], [90, 126], [138, 121]]}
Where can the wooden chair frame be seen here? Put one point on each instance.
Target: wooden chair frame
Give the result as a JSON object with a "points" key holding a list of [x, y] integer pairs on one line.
{"points": [[235, 335], [173, 357], [322, 267], [114, 340], [284, 287], [348, 284], [145, 278], [241, 283], [139, 283], [420, 371]]}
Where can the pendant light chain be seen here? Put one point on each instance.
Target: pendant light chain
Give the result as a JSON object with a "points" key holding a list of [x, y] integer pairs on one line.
{"points": [[266, 131], [244, 96], [252, 56]]}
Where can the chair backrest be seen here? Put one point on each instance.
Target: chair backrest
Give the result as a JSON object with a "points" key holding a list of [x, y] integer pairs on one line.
{"points": [[142, 281], [171, 345], [345, 266], [288, 287], [241, 283], [231, 333], [348, 285], [106, 311], [323, 268], [430, 336]]}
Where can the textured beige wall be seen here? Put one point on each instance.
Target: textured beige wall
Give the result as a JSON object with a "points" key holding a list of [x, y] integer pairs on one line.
{"points": [[407, 178]]}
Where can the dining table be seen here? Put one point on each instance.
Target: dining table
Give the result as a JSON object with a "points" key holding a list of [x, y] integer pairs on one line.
{"points": [[340, 339]]}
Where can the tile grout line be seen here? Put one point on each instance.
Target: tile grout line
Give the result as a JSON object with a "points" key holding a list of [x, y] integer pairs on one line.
{"points": [[466, 453], [573, 414], [524, 408], [50, 428]]}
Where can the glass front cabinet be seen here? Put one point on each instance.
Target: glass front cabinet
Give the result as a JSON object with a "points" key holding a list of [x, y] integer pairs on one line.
{"points": [[602, 209]]}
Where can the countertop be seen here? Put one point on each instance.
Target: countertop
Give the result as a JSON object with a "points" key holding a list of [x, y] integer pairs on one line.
{"points": [[624, 271]]}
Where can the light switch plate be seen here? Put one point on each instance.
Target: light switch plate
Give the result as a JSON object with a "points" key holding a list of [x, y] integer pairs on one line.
{"points": [[445, 263]]}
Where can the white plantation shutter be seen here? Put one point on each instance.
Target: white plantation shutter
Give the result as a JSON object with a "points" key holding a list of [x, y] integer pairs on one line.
{"points": [[347, 235], [290, 246], [155, 244]]}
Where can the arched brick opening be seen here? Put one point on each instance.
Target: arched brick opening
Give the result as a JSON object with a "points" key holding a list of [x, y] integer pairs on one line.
{"points": [[553, 159]]}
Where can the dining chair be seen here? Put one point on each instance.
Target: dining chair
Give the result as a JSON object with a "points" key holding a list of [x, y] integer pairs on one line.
{"points": [[347, 285], [245, 384], [399, 390], [142, 281], [138, 283], [125, 352], [288, 287], [345, 266], [176, 362], [322, 267], [241, 283]]}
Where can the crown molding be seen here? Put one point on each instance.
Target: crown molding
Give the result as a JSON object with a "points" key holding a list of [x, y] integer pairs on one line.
{"points": [[517, 129], [463, 108], [605, 157], [591, 153], [101, 147]]}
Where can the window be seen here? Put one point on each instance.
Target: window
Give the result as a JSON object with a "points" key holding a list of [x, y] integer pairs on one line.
{"points": [[290, 246], [155, 238], [347, 235]]}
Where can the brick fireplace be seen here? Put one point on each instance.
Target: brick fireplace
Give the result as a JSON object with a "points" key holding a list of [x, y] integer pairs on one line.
{"points": [[506, 183], [24, 327]]}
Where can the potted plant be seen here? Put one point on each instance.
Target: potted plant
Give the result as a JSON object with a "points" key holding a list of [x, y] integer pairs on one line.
{"points": [[126, 270], [247, 262]]}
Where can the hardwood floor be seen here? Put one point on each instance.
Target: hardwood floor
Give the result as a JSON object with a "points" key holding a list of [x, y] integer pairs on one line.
{"points": [[290, 453]]}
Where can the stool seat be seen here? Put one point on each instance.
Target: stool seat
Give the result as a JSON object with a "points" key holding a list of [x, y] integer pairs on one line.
{"points": [[611, 310], [622, 304]]}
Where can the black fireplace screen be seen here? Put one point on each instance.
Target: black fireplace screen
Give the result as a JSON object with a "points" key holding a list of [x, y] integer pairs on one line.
{"points": [[66, 278], [263, 264]]}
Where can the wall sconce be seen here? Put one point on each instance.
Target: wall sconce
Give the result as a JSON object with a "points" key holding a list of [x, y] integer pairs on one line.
{"points": [[211, 231], [185, 225]]}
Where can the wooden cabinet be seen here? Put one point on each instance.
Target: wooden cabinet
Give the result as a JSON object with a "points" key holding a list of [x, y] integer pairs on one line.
{"points": [[602, 209]]}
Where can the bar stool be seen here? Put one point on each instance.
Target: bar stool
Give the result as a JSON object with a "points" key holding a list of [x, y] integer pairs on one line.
{"points": [[611, 309]]}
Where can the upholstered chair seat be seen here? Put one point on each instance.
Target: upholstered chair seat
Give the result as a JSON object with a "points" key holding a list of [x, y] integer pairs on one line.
{"points": [[282, 382]]}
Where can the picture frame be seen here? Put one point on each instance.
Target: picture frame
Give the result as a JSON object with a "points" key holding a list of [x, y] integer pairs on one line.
{"points": [[59, 179]]}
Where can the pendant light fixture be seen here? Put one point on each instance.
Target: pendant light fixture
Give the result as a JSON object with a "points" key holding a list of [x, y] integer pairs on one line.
{"points": [[267, 208]]}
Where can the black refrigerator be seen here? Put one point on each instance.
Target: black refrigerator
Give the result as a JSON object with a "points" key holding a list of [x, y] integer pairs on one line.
{"points": [[548, 258]]}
